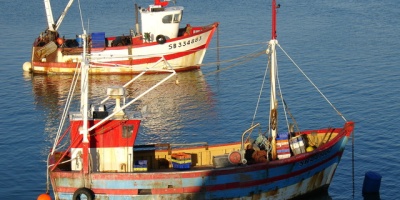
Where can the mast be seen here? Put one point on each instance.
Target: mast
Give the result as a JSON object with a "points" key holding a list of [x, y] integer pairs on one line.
{"points": [[273, 19], [49, 15], [273, 67], [137, 19], [84, 105]]}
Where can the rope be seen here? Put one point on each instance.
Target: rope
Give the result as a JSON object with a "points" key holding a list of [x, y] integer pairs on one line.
{"points": [[70, 93], [261, 90], [337, 111], [66, 108], [80, 13], [352, 161], [281, 96], [239, 45], [245, 58]]}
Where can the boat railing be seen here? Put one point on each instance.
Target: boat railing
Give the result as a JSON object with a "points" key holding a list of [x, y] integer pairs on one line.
{"points": [[246, 131]]}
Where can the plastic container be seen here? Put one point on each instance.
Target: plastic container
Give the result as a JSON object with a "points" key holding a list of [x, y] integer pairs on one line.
{"points": [[282, 146], [282, 136], [80, 41], [301, 144], [181, 158], [98, 40], [221, 161], [372, 183], [294, 145], [140, 165], [297, 145], [181, 166]]}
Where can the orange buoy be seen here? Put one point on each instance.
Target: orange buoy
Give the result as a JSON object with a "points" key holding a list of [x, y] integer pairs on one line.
{"points": [[60, 41], [44, 197]]}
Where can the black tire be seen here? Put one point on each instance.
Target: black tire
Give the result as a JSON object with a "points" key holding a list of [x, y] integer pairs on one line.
{"points": [[83, 191], [161, 39]]}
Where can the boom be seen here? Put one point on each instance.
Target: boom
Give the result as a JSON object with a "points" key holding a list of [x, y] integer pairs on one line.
{"points": [[49, 14]]}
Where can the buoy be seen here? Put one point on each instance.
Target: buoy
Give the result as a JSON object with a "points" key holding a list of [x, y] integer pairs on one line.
{"points": [[309, 149], [44, 197], [27, 66], [235, 157], [60, 41], [372, 183]]}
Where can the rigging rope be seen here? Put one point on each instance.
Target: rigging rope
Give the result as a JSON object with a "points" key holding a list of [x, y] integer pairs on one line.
{"points": [[312, 83], [261, 90], [239, 45], [80, 13], [281, 96], [66, 108], [246, 59], [352, 161]]}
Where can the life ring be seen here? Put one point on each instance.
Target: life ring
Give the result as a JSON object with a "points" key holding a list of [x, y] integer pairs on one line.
{"points": [[83, 191], [161, 39]]}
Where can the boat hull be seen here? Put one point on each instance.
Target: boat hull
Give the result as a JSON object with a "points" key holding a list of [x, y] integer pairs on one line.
{"points": [[279, 179], [182, 53]]}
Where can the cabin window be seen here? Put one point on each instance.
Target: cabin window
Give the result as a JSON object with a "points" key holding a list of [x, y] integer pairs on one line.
{"points": [[167, 19], [127, 131], [177, 18]]}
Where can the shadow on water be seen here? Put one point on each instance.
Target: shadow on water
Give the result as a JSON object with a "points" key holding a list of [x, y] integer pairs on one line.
{"points": [[321, 194]]}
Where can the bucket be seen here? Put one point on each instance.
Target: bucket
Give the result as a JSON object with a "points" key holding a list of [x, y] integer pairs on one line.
{"points": [[80, 41], [301, 144], [372, 183], [294, 145], [297, 145]]}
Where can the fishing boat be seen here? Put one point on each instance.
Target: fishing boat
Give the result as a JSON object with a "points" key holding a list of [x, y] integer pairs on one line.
{"points": [[101, 159], [158, 34]]}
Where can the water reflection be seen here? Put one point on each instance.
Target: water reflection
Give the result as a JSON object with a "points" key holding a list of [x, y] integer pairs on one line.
{"points": [[169, 111]]}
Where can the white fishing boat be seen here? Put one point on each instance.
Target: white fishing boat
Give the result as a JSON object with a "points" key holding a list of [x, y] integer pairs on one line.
{"points": [[158, 35]]}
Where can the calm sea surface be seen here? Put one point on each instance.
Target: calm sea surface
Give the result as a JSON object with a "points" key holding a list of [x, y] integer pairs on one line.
{"points": [[349, 48]]}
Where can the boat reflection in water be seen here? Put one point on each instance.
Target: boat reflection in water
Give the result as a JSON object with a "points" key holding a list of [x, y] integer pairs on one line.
{"points": [[177, 102]]}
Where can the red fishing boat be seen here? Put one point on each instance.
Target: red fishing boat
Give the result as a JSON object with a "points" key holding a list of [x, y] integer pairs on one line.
{"points": [[158, 35]]}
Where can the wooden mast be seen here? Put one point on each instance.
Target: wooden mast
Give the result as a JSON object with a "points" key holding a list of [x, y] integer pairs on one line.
{"points": [[273, 67]]}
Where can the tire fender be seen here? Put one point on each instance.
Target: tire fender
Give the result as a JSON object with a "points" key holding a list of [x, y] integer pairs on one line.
{"points": [[83, 191], [161, 39]]}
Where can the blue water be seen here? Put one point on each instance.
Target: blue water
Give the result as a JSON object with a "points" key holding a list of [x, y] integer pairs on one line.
{"points": [[350, 49]]}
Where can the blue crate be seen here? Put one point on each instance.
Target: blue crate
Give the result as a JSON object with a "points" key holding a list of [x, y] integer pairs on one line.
{"points": [[181, 166], [283, 151], [141, 162], [99, 40], [282, 136]]}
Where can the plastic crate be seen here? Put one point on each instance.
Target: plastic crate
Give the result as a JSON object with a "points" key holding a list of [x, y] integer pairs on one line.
{"points": [[140, 165], [181, 166]]}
